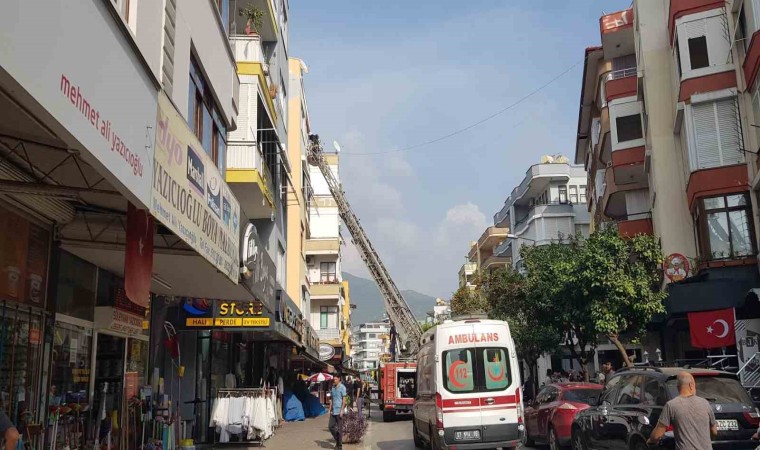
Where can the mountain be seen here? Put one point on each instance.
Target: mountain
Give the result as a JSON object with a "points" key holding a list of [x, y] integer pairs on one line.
{"points": [[370, 305]]}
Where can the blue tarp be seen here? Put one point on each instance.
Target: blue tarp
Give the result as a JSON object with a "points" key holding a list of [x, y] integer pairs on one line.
{"points": [[292, 409], [311, 406]]}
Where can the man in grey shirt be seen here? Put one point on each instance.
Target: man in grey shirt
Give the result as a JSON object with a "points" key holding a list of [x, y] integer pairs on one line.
{"points": [[692, 418]]}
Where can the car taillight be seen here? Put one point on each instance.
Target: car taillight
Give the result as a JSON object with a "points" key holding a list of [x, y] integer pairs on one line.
{"points": [[567, 406], [670, 428], [753, 418], [438, 411]]}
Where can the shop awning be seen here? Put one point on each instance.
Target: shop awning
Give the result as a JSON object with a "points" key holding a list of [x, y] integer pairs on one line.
{"points": [[715, 288]]}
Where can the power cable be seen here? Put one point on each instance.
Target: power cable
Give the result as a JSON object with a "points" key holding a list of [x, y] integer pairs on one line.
{"points": [[475, 124]]}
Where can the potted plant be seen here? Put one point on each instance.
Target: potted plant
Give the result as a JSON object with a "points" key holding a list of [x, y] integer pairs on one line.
{"points": [[255, 19]]}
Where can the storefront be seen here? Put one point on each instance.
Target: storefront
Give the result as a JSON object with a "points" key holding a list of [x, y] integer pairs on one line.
{"points": [[99, 354]]}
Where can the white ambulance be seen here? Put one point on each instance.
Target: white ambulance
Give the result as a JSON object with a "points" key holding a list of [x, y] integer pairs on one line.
{"points": [[468, 387]]}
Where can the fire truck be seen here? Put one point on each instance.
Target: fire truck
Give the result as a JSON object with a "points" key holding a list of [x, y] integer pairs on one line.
{"points": [[397, 388]]}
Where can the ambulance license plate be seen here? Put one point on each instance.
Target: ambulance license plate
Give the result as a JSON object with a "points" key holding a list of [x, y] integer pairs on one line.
{"points": [[469, 435], [728, 425]]}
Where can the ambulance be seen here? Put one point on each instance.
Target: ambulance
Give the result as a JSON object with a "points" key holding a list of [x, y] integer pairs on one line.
{"points": [[468, 387]]}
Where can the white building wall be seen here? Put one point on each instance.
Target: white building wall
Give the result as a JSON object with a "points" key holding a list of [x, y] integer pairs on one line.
{"points": [[325, 223]]}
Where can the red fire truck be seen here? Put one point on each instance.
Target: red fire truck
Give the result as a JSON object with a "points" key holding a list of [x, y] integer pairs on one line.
{"points": [[397, 388]]}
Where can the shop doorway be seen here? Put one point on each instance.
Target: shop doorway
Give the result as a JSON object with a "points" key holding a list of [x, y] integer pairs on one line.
{"points": [[119, 369]]}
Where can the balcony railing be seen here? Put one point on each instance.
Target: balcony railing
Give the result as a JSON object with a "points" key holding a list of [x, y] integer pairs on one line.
{"points": [[247, 155], [327, 334], [538, 170], [247, 48], [611, 76], [542, 208], [504, 249]]}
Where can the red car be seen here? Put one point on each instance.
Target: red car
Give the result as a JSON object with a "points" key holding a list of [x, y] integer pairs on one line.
{"points": [[549, 417]]}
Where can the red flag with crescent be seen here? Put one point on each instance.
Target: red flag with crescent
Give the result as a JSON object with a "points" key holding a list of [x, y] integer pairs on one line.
{"points": [[712, 329], [138, 256]]}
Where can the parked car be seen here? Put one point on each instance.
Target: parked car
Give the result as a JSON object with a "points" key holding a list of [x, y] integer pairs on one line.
{"points": [[632, 400], [549, 417]]}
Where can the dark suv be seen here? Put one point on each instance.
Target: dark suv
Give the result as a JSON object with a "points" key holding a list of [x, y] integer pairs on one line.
{"points": [[632, 400]]}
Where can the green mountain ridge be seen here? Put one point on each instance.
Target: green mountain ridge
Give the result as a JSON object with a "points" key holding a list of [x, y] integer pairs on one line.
{"points": [[370, 305]]}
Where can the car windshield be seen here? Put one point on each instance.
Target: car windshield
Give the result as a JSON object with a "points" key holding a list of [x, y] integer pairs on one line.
{"points": [[717, 389], [587, 396]]}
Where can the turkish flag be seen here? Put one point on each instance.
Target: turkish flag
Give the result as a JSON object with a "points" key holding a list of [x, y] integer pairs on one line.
{"points": [[712, 329], [138, 258]]}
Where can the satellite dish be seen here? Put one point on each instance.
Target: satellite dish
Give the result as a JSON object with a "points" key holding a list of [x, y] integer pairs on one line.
{"points": [[546, 159], [336, 146], [561, 159]]}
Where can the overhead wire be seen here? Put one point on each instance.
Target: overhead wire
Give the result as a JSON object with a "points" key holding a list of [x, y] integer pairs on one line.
{"points": [[477, 123]]}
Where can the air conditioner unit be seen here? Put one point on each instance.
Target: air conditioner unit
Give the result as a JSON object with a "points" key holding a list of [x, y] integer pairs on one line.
{"points": [[309, 259]]}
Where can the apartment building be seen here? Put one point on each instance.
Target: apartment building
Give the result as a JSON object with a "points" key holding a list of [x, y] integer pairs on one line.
{"points": [[299, 194], [548, 205], [370, 343], [323, 260], [664, 130], [467, 275]]}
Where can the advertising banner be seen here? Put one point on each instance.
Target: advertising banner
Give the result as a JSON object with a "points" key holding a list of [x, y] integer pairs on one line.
{"points": [[190, 196], [214, 313], [747, 345], [24, 250], [90, 80]]}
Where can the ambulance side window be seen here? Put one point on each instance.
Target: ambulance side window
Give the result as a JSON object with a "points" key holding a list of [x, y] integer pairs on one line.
{"points": [[458, 370]]}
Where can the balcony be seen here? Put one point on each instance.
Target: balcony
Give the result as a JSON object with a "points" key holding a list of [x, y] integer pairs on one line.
{"points": [[504, 249], [620, 84], [322, 246], [494, 262], [635, 226], [488, 240], [539, 210], [536, 180], [253, 70], [617, 33], [325, 290], [249, 177], [328, 334], [270, 29], [628, 165]]}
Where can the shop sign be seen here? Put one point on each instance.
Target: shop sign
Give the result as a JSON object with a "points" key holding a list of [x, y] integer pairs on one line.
{"points": [[326, 352], [109, 318], [111, 118], [24, 249], [190, 196], [258, 268], [205, 313], [288, 314], [676, 267], [310, 340]]}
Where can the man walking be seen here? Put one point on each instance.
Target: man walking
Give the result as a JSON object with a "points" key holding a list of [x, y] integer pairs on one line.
{"points": [[692, 418], [337, 403], [8, 432], [359, 395]]}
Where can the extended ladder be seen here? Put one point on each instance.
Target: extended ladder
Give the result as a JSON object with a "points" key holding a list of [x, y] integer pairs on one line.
{"points": [[398, 310]]}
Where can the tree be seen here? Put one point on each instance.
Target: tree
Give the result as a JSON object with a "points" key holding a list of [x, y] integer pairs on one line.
{"points": [[427, 325], [506, 294], [555, 290], [621, 278], [467, 300]]}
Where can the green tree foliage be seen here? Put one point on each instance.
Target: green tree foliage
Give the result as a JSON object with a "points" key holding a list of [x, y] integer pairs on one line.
{"points": [[426, 326], [622, 279], [467, 300]]}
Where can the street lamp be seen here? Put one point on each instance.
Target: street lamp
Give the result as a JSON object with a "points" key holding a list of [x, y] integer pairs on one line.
{"points": [[514, 236]]}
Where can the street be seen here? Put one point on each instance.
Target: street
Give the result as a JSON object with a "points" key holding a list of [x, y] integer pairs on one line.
{"points": [[313, 433]]}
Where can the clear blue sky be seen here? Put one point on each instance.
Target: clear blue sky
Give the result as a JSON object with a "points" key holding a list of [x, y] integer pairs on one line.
{"points": [[387, 75]]}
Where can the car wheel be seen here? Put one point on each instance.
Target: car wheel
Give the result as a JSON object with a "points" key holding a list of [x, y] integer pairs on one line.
{"points": [[577, 441], [417, 439], [435, 440], [552, 440], [527, 440], [387, 416]]}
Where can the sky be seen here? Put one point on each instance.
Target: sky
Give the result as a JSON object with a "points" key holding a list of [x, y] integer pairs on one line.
{"points": [[385, 76]]}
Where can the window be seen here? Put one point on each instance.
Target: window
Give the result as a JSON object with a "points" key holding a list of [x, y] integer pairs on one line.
{"points": [[628, 128], [328, 317], [583, 194], [223, 8], [678, 60], [698, 52], [327, 272], [122, 6], [724, 228], [574, 194], [756, 109], [282, 265], [630, 392], [654, 393], [563, 194], [204, 117], [476, 370], [715, 132], [717, 390], [587, 396]]}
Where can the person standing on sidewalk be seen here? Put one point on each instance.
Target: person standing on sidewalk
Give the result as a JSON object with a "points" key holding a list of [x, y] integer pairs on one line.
{"points": [[692, 418], [359, 393], [8, 432], [336, 406]]}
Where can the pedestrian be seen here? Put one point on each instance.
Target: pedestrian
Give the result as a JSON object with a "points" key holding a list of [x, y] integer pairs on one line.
{"points": [[607, 372], [9, 432], [691, 416], [359, 394], [337, 403]]}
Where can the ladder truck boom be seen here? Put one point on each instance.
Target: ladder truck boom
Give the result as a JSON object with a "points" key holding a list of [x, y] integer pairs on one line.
{"points": [[398, 310]]}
